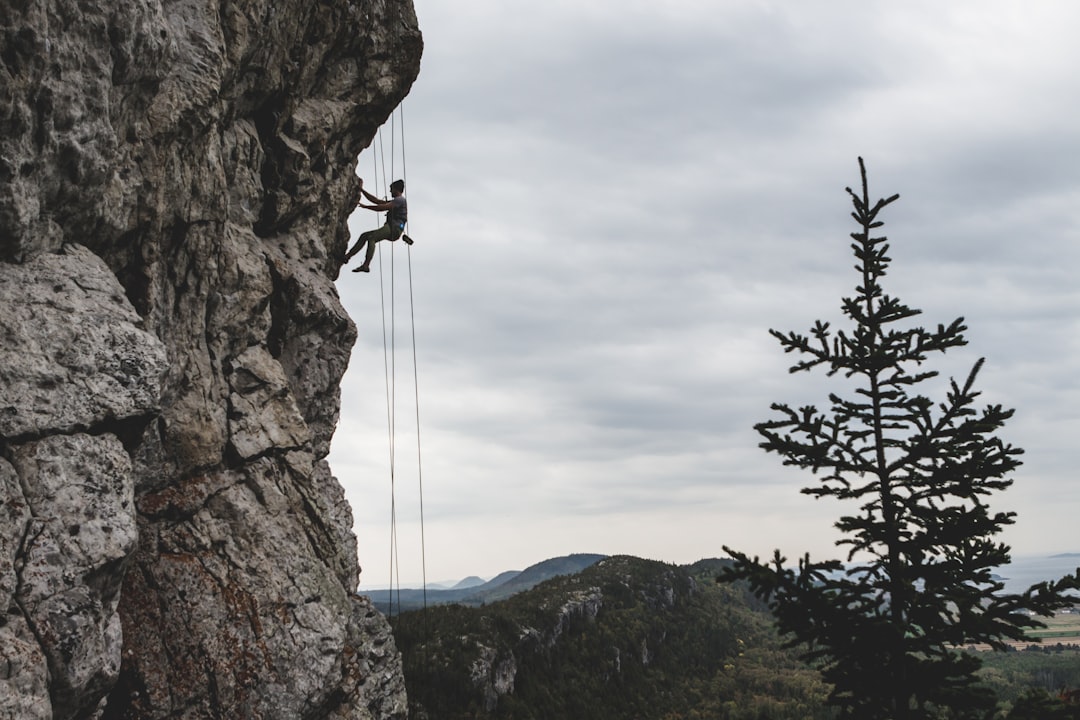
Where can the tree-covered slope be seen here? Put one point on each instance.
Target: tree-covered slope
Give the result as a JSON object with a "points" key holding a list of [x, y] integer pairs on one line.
{"points": [[625, 638]]}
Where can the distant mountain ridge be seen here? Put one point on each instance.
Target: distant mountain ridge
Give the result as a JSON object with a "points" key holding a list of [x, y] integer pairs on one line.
{"points": [[465, 592], [473, 591]]}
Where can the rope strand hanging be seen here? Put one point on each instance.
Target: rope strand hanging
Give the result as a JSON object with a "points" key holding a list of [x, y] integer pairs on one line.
{"points": [[416, 374], [388, 297]]}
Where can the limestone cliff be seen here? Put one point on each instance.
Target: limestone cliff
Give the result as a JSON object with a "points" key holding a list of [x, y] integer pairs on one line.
{"points": [[175, 177]]}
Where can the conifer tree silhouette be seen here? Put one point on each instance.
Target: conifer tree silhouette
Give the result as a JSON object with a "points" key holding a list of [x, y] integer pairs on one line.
{"points": [[888, 625]]}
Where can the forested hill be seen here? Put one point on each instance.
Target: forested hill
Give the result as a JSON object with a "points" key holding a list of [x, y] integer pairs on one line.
{"points": [[624, 638]]}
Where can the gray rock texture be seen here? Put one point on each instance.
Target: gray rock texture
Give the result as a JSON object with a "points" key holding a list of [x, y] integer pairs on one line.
{"points": [[175, 177]]}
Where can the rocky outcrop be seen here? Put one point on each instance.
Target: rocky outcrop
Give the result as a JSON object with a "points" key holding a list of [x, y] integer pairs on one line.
{"points": [[493, 671], [175, 177], [621, 635]]}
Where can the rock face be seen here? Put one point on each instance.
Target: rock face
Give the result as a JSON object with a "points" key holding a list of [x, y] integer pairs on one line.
{"points": [[175, 177]]}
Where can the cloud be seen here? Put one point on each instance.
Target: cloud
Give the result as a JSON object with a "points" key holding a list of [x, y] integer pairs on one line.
{"points": [[613, 202]]}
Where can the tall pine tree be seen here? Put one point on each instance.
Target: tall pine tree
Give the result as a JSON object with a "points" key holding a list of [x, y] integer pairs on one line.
{"points": [[887, 626]]}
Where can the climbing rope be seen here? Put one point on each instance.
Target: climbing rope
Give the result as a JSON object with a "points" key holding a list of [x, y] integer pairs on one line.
{"points": [[390, 370], [416, 376]]}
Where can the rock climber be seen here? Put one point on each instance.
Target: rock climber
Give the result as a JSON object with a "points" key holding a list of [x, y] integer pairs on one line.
{"points": [[397, 214]]}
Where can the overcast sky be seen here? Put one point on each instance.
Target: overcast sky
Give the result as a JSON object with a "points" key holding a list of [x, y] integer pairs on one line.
{"points": [[614, 201]]}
